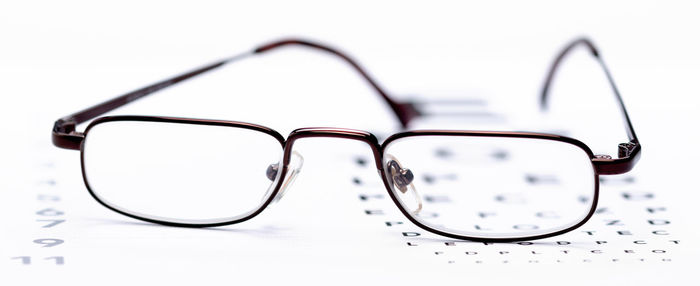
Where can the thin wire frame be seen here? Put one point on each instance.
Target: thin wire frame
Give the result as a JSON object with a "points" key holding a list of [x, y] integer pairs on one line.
{"points": [[64, 135]]}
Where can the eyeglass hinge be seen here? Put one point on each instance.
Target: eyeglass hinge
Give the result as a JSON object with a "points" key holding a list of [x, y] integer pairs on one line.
{"points": [[65, 136], [64, 125], [625, 149], [628, 155]]}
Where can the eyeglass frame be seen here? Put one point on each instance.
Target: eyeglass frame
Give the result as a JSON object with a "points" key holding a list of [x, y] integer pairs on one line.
{"points": [[64, 134]]}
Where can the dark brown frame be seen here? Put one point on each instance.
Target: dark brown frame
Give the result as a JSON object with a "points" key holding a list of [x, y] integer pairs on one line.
{"points": [[64, 134]]}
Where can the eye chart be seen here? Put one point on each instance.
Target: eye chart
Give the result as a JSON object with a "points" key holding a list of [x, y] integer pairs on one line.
{"points": [[57, 228], [630, 225], [338, 220], [633, 224]]}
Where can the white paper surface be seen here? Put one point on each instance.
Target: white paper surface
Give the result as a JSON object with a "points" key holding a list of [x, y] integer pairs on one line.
{"points": [[337, 225]]}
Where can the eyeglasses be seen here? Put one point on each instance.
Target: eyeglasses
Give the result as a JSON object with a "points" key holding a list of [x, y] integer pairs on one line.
{"points": [[205, 173]]}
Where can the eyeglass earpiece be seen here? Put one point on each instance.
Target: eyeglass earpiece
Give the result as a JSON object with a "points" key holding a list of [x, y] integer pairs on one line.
{"points": [[402, 179]]}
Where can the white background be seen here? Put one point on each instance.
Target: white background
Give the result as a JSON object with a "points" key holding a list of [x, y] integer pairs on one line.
{"points": [[57, 57]]}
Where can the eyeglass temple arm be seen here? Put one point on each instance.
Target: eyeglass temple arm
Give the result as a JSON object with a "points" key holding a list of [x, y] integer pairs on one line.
{"points": [[405, 111], [64, 134], [628, 153]]}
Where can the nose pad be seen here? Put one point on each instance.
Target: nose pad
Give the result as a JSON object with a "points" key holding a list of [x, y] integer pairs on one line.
{"points": [[294, 167], [295, 164], [401, 179]]}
